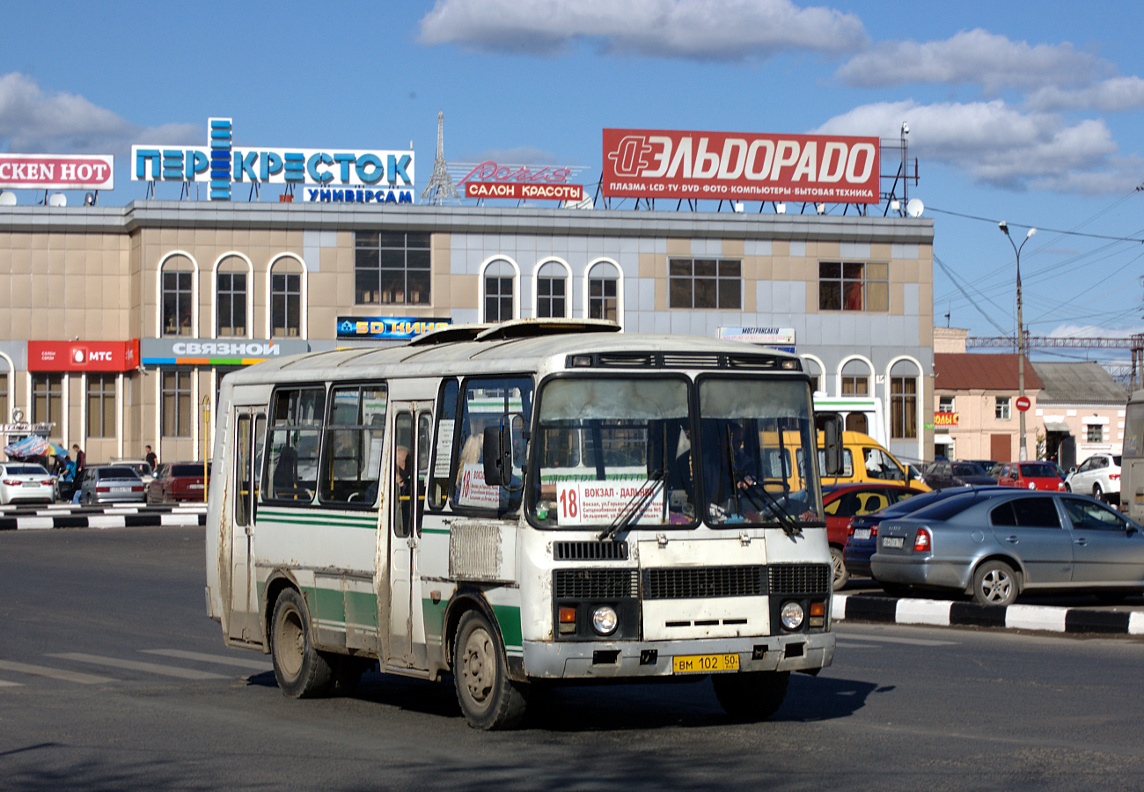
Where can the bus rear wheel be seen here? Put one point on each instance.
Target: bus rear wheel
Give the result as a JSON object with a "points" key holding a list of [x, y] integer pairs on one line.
{"points": [[489, 699], [751, 695], [301, 671]]}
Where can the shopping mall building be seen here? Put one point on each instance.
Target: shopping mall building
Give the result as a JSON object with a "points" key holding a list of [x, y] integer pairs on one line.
{"points": [[117, 323]]}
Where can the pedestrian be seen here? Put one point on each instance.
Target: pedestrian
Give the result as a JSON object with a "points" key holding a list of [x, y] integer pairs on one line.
{"points": [[152, 460], [80, 466]]}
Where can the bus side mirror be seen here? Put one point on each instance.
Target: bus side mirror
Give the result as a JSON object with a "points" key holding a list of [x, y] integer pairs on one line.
{"points": [[497, 456], [832, 445]]}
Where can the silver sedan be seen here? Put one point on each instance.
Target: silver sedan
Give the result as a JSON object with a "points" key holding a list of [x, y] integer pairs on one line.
{"points": [[996, 545]]}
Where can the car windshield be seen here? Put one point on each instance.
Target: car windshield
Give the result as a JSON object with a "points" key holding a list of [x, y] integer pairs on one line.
{"points": [[25, 470], [968, 469], [189, 470], [629, 451], [118, 472], [1038, 470], [958, 501]]}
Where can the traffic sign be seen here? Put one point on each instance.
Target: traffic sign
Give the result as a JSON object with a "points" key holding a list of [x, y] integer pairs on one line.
{"points": [[1023, 403]]}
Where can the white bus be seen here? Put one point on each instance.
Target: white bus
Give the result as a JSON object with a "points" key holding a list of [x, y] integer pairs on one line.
{"points": [[1132, 459], [530, 502]]}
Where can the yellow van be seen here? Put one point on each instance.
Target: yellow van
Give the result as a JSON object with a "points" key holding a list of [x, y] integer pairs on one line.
{"points": [[863, 460]]}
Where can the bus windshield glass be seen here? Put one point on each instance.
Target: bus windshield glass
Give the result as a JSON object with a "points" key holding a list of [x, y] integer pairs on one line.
{"points": [[614, 451]]}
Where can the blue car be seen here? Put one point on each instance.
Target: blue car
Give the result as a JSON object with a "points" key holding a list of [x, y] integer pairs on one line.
{"points": [[862, 536]]}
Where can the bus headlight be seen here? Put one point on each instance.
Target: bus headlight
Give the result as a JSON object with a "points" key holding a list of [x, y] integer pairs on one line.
{"points": [[605, 620], [792, 615]]}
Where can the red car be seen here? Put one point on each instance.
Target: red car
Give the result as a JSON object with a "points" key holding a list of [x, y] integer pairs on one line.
{"points": [[178, 482], [847, 500], [1031, 475]]}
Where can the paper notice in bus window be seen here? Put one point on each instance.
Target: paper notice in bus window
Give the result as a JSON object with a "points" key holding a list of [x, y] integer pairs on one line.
{"points": [[474, 492], [444, 455], [599, 503]]}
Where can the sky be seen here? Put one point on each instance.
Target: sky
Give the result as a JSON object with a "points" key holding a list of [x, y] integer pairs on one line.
{"points": [[1027, 112]]}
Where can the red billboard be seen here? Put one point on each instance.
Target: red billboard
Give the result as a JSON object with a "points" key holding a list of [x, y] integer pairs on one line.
{"points": [[57, 171], [77, 356], [645, 163]]}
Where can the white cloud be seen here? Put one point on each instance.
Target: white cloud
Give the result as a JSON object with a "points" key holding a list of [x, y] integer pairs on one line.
{"points": [[32, 121], [1002, 146], [1112, 95], [975, 57], [716, 30]]}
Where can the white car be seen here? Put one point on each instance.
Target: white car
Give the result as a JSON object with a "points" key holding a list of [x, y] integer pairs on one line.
{"points": [[1099, 476], [22, 482]]}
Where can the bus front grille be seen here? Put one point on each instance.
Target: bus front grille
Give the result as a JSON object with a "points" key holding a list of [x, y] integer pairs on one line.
{"points": [[697, 582], [799, 578], [595, 583]]}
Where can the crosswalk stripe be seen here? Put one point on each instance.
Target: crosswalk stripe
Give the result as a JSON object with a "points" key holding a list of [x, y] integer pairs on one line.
{"points": [[54, 673], [149, 668], [239, 662]]}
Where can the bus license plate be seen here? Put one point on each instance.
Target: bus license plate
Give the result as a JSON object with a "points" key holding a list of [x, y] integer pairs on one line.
{"points": [[893, 541], [704, 664]]}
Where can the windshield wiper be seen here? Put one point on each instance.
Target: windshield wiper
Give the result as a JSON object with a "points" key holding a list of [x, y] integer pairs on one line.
{"points": [[634, 507], [760, 497]]}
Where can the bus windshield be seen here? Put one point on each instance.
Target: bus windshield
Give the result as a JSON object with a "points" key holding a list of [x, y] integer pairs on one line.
{"points": [[629, 451]]}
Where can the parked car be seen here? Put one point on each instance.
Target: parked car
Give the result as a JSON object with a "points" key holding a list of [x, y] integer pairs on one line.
{"points": [[23, 482], [1099, 475], [178, 482], [997, 546], [939, 475], [140, 466], [848, 500], [1031, 475], [111, 484], [862, 533]]}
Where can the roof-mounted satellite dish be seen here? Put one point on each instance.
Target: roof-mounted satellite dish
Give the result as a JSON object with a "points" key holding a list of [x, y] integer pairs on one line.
{"points": [[914, 207], [7, 199], [780, 208], [57, 199]]}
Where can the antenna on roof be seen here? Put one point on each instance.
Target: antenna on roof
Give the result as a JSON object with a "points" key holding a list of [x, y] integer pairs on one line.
{"points": [[440, 188]]}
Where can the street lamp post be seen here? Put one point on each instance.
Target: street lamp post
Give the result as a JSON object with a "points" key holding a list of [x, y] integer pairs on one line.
{"points": [[1022, 452]]}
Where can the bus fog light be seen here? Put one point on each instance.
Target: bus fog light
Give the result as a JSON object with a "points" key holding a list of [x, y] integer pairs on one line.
{"points": [[605, 620], [792, 615]]}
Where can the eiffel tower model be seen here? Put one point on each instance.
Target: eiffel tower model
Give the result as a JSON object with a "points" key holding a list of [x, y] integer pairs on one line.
{"points": [[440, 190]]}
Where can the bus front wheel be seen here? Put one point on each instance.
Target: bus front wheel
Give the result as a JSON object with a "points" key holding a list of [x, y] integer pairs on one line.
{"points": [[489, 699], [301, 671], [752, 695]]}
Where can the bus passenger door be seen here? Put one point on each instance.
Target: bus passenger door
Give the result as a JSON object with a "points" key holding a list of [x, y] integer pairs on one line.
{"points": [[250, 434], [407, 480]]}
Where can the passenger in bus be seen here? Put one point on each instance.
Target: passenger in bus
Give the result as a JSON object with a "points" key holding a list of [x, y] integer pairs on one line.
{"points": [[285, 477]]}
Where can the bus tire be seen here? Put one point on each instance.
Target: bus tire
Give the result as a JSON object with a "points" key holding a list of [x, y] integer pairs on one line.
{"points": [[751, 695], [489, 699], [301, 671]]}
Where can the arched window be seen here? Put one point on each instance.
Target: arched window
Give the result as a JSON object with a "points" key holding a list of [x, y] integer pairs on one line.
{"points": [[814, 370], [552, 291], [603, 292], [904, 390], [286, 298], [855, 378], [499, 276], [230, 298], [178, 285]]}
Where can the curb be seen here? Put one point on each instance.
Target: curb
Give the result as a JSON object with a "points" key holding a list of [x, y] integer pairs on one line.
{"points": [[939, 613], [104, 518]]}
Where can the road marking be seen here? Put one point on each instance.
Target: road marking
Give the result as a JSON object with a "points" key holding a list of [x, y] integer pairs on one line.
{"points": [[891, 639], [54, 673], [148, 668], [6, 683], [239, 662]]}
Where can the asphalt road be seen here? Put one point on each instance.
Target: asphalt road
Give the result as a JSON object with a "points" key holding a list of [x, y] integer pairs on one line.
{"points": [[112, 677]]}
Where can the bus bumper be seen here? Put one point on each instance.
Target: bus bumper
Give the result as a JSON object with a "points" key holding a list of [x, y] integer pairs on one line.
{"points": [[603, 660]]}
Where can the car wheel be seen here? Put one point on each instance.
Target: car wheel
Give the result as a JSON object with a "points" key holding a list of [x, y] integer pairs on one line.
{"points": [[489, 699], [841, 576], [1097, 492], [751, 695], [995, 583], [301, 671]]}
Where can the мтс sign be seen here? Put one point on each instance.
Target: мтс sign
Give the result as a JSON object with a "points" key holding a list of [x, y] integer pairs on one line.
{"points": [[641, 163]]}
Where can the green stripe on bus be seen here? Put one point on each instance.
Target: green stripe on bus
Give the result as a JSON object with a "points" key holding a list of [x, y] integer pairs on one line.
{"points": [[508, 617]]}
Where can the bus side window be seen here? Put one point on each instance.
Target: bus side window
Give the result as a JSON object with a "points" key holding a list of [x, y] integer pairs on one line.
{"points": [[443, 445], [402, 484]]}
